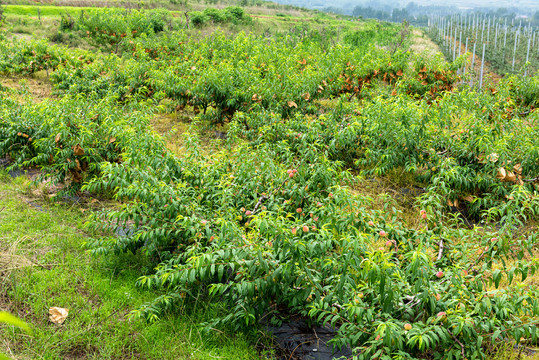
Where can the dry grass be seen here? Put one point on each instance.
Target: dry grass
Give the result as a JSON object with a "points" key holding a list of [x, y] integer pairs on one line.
{"points": [[10, 260], [422, 44], [37, 87]]}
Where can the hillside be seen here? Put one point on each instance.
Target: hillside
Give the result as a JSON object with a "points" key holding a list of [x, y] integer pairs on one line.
{"points": [[251, 182]]}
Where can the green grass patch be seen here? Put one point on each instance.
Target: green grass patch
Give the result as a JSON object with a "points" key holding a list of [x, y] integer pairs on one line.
{"points": [[49, 267], [31, 10]]}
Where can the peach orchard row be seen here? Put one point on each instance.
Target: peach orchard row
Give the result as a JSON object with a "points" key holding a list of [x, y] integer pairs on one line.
{"points": [[268, 224]]}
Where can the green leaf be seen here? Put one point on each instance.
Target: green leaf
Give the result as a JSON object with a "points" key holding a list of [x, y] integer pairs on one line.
{"points": [[7, 318]]}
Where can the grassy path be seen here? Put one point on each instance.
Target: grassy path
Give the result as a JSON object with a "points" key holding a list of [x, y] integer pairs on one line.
{"points": [[43, 264]]}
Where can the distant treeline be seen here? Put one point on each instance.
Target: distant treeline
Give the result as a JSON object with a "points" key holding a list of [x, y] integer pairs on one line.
{"points": [[419, 15]]}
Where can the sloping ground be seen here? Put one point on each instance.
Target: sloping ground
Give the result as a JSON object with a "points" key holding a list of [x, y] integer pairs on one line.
{"points": [[422, 44], [43, 264]]}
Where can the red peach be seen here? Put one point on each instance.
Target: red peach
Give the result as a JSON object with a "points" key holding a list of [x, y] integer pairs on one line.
{"points": [[439, 274], [383, 233], [305, 228]]}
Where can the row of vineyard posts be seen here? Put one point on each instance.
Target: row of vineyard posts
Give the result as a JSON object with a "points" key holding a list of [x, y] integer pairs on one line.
{"points": [[507, 47]]}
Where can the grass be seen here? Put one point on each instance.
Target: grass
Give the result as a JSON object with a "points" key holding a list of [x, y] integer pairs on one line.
{"points": [[45, 11], [45, 265]]}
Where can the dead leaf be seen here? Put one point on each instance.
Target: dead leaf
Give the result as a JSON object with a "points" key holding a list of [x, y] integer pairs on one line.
{"points": [[78, 150], [493, 157], [57, 138], [253, 98], [112, 139], [58, 315], [454, 203], [510, 176], [292, 104], [501, 174], [518, 169], [307, 96], [468, 198], [394, 92]]}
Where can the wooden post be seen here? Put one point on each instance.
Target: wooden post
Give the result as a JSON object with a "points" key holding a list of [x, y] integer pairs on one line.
{"points": [[186, 19]]}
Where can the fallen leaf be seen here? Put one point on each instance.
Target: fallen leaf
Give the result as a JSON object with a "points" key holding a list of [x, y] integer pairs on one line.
{"points": [[468, 198], [112, 139], [493, 157], [292, 104], [510, 176], [57, 138], [518, 169], [78, 150], [307, 96], [501, 174], [58, 315]]}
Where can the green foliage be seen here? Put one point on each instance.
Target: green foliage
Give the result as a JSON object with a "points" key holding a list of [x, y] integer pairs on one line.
{"points": [[7, 318], [269, 222], [69, 139]]}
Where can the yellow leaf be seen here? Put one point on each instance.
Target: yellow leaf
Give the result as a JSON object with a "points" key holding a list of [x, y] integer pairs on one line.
{"points": [[292, 104]]}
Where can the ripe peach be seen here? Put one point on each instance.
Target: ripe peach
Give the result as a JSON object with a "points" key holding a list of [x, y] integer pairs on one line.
{"points": [[294, 231], [305, 228], [389, 243], [383, 233], [299, 210], [371, 223], [442, 315], [407, 327], [248, 212], [439, 274]]}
